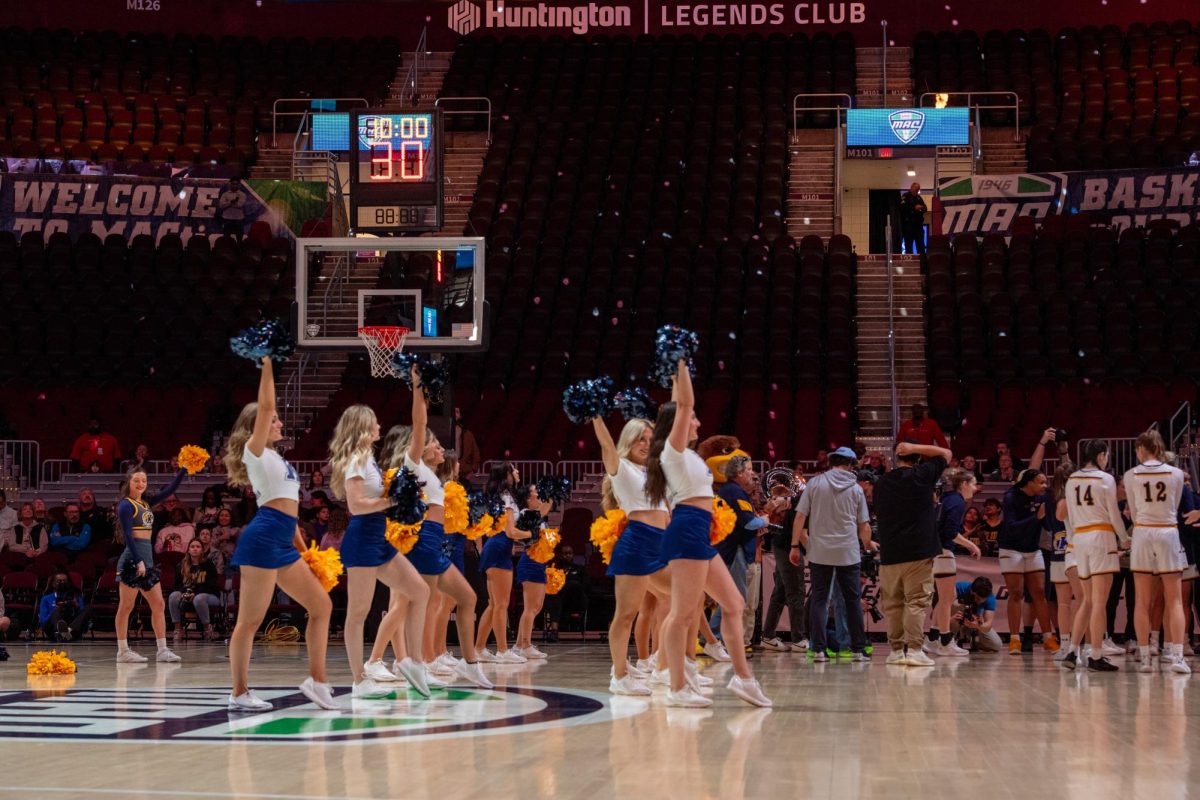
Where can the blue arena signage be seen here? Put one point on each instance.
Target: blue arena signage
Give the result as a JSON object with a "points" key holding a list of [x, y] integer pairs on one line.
{"points": [[907, 127]]}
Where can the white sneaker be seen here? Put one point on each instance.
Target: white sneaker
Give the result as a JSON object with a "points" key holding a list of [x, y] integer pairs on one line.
{"points": [[165, 656], [749, 690], [1111, 648], [447, 660], [628, 685], [639, 674], [440, 668], [248, 702], [660, 677], [776, 644], [510, 657], [1063, 651], [1179, 665], [1145, 665], [436, 681], [932, 646], [130, 657], [486, 656], [694, 673], [321, 694], [896, 658], [377, 671], [955, 651], [1130, 646], [917, 658], [414, 673], [473, 674], [531, 653], [686, 698], [646, 665], [800, 646], [368, 689], [717, 652]]}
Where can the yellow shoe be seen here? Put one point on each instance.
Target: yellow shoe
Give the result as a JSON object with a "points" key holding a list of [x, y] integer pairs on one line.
{"points": [[1014, 645], [1050, 643]]}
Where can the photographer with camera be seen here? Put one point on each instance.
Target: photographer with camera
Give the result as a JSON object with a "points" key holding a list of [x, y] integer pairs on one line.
{"points": [[834, 509], [908, 543], [62, 614], [973, 614]]}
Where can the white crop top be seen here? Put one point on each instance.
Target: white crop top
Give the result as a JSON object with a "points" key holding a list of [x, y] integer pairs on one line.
{"points": [[687, 474], [366, 468], [271, 476], [629, 486], [435, 495]]}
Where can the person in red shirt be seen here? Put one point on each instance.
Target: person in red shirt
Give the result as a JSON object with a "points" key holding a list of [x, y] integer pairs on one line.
{"points": [[96, 450], [921, 430]]}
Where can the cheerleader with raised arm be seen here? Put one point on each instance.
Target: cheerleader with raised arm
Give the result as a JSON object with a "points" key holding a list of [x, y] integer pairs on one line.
{"points": [[135, 524], [496, 563], [636, 566], [268, 550], [418, 450], [368, 557], [676, 474]]}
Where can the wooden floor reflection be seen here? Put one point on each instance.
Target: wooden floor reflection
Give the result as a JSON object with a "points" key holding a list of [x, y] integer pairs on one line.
{"points": [[994, 726]]}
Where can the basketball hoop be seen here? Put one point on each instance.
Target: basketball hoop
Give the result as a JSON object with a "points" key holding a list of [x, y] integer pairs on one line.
{"points": [[383, 342]]}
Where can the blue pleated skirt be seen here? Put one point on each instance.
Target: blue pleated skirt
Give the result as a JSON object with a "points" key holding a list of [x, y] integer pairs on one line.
{"points": [[268, 542], [497, 553], [687, 535], [365, 543], [427, 555], [638, 551], [530, 571]]}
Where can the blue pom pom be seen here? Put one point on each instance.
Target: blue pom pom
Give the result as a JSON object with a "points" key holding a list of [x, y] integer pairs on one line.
{"points": [[586, 400], [268, 338], [553, 489], [406, 491], [434, 374], [635, 403], [529, 520], [129, 576], [673, 344], [480, 503]]}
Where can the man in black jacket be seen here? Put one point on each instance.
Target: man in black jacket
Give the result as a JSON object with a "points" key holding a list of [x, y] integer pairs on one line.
{"points": [[912, 220]]}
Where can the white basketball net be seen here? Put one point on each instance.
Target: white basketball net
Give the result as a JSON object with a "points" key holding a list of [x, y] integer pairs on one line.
{"points": [[383, 342]]}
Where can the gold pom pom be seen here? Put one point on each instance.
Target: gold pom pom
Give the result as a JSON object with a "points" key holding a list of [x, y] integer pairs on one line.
{"points": [[387, 480], [192, 458], [479, 529], [724, 519], [555, 580], [542, 551], [457, 519], [325, 564], [606, 530], [50, 662], [499, 524], [402, 537]]}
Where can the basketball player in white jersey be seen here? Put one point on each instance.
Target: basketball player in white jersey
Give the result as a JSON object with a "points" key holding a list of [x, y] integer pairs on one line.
{"points": [[1095, 526], [1153, 491]]}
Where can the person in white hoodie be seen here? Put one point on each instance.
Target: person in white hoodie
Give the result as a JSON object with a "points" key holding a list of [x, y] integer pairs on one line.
{"points": [[832, 524]]}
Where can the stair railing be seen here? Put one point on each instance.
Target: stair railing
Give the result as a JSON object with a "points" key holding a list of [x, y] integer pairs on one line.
{"points": [[839, 142], [485, 110], [306, 108], [1015, 106]]}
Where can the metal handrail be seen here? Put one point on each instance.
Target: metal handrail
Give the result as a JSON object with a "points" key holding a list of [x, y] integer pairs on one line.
{"points": [[1180, 430], [468, 112], [796, 108], [1016, 106], [20, 460], [838, 152], [276, 113], [891, 316], [414, 69]]}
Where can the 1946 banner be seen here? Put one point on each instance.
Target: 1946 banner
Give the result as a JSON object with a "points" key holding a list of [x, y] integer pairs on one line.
{"points": [[1121, 198], [124, 205]]}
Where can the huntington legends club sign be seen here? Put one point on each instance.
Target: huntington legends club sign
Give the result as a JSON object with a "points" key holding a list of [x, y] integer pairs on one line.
{"points": [[468, 16]]}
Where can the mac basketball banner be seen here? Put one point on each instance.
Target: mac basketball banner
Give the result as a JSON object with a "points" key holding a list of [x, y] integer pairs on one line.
{"points": [[123, 205], [1121, 198]]}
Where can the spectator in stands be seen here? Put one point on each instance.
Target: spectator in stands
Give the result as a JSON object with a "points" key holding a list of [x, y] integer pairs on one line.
{"points": [[993, 463], [338, 520], [95, 516], [973, 527], [62, 614], [572, 599], [39, 512], [95, 450], [875, 464], [162, 520], [315, 530], [204, 537], [29, 536], [973, 615], [231, 208], [993, 518], [197, 588], [140, 460], [922, 430], [912, 223], [316, 483], [175, 537], [8, 519], [465, 446], [210, 507], [225, 535], [969, 464], [1005, 472], [72, 534]]}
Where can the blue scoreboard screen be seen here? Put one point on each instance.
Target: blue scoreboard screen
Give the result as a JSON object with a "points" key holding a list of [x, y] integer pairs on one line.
{"points": [[907, 127]]}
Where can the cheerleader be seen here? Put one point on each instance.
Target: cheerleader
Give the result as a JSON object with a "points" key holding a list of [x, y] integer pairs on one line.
{"points": [[1097, 530], [437, 617], [532, 577], [268, 551], [945, 568], [676, 472], [135, 530], [496, 563], [369, 557], [636, 564], [418, 449]]}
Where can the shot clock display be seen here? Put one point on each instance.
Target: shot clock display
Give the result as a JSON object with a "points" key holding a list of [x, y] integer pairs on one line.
{"points": [[395, 172]]}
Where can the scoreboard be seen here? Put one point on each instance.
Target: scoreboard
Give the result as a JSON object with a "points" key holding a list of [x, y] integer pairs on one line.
{"points": [[395, 172]]}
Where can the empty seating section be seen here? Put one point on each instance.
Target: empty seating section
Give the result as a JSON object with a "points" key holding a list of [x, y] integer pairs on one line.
{"points": [[108, 97], [1081, 328], [1096, 97], [135, 331], [634, 183]]}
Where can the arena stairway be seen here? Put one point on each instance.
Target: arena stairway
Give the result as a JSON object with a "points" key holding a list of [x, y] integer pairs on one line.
{"points": [[869, 87]]}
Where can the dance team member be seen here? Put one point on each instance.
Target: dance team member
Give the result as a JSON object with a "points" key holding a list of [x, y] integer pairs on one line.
{"points": [[437, 616], [532, 577], [268, 550], [495, 562], [945, 568]]}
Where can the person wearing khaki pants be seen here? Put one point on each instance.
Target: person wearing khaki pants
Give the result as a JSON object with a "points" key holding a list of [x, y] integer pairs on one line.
{"points": [[908, 543]]}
